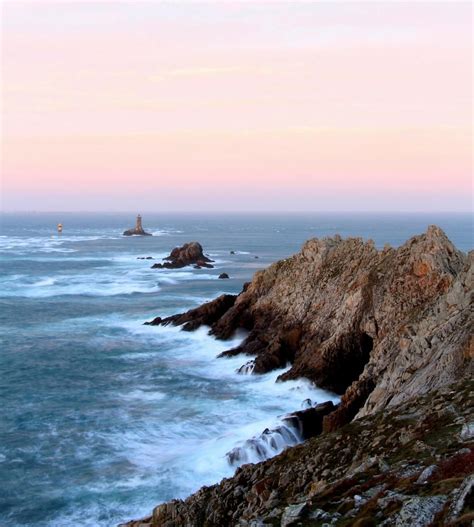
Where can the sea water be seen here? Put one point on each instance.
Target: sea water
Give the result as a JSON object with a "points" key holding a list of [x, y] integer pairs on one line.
{"points": [[102, 417]]}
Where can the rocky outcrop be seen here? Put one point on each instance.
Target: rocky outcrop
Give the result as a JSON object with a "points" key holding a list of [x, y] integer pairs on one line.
{"points": [[391, 331], [189, 254], [374, 326], [137, 230], [408, 465], [207, 314], [223, 276]]}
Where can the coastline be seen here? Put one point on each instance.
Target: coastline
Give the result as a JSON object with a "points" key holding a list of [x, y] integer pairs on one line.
{"points": [[423, 283]]}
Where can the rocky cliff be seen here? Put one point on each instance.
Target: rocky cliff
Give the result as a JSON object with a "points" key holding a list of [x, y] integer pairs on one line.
{"points": [[408, 466], [375, 326], [378, 327]]}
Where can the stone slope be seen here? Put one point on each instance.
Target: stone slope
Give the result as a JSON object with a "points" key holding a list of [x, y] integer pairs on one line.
{"points": [[375, 326], [409, 466], [391, 331]]}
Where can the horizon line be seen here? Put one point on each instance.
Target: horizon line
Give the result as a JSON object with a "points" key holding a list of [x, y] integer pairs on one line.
{"points": [[240, 212]]}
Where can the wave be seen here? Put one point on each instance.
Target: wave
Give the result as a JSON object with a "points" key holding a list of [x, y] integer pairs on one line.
{"points": [[144, 395], [44, 282], [269, 443], [98, 283], [166, 232], [45, 244]]}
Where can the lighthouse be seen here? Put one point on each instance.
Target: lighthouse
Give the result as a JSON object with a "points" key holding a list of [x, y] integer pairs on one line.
{"points": [[137, 230], [138, 225]]}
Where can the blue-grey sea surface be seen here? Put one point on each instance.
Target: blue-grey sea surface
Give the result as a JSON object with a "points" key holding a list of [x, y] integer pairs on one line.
{"points": [[102, 417]]}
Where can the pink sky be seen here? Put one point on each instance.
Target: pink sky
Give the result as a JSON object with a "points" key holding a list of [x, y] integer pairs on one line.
{"points": [[151, 106]]}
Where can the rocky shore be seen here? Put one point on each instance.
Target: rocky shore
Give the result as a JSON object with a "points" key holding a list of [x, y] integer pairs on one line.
{"points": [[391, 332]]}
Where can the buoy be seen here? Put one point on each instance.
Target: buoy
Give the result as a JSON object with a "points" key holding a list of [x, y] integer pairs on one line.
{"points": [[60, 228]]}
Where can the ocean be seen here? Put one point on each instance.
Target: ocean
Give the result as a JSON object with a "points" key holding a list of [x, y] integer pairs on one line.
{"points": [[102, 418]]}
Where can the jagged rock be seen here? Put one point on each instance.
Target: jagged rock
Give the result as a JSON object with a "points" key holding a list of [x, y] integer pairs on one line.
{"points": [[318, 473], [375, 326], [292, 514], [426, 474], [137, 230], [419, 511], [460, 496], [310, 421], [207, 314], [391, 331], [223, 276], [189, 254], [467, 431]]}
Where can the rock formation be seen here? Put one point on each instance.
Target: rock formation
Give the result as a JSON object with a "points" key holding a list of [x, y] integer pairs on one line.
{"points": [[223, 276], [411, 465], [137, 230], [189, 254], [390, 331], [374, 326]]}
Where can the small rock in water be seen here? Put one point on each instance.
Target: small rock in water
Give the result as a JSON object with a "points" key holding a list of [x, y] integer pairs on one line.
{"points": [[223, 276], [189, 254]]}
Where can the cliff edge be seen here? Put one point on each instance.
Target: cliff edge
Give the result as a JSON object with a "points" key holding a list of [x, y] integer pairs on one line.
{"points": [[381, 328], [377, 327]]}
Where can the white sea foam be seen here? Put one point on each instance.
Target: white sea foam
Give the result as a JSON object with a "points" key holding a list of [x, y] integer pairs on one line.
{"points": [[98, 282], [44, 244], [201, 444], [166, 232], [44, 282], [144, 395]]}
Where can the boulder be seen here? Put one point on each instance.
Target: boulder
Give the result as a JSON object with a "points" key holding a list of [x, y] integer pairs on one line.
{"points": [[189, 254], [223, 276]]}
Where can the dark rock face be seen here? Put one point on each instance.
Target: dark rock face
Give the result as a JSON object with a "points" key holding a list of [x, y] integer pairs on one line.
{"points": [[206, 315], [189, 254], [223, 276], [310, 420]]}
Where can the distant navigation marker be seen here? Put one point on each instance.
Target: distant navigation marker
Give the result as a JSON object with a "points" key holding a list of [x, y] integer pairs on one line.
{"points": [[60, 228]]}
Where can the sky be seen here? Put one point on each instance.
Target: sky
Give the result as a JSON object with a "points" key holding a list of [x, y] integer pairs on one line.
{"points": [[156, 106]]}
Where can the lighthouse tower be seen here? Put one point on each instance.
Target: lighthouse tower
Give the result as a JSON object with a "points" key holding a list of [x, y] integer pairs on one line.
{"points": [[138, 225], [137, 230]]}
